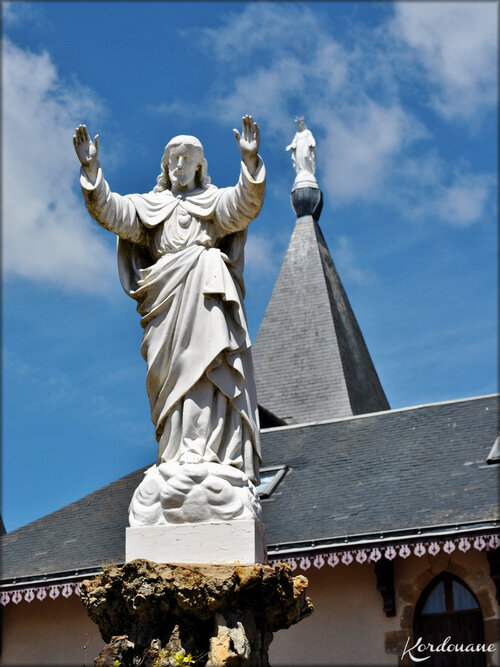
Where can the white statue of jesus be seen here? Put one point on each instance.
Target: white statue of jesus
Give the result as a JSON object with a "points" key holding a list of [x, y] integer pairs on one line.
{"points": [[180, 256]]}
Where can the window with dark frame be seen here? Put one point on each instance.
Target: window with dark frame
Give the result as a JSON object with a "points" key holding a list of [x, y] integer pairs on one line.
{"points": [[269, 479], [494, 454]]}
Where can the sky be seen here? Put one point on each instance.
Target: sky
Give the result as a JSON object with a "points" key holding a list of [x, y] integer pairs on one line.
{"points": [[402, 100]]}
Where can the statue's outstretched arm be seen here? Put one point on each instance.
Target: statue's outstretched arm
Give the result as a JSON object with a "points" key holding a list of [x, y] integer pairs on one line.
{"points": [[293, 145], [248, 142], [87, 151], [239, 205], [112, 211]]}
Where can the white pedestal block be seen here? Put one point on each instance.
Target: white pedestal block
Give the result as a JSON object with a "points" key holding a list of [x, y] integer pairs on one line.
{"points": [[230, 542]]}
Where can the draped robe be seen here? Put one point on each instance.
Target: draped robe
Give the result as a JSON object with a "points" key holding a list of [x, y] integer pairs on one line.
{"points": [[304, 151], [181, 258]]}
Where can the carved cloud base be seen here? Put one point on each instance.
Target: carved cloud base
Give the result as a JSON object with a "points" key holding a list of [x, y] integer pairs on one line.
{"points": [[236, 542], [220, 615], [193, 491]]}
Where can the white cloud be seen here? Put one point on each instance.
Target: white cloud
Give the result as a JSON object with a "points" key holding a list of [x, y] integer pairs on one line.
{"points": [[360, 96], [309, 70], [48, 236], [429, 188], [15, 12], [358, 151], [262, 27], [302, 63], [265, 92], [456, 42], [464, 201], [8, 13]]}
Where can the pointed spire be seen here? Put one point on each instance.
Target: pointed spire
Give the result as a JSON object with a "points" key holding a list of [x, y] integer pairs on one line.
{"points": [[311, 361]]}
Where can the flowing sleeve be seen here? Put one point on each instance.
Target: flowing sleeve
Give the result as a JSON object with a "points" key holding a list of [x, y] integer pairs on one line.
{"points": [[239, 205], [111, 210]]}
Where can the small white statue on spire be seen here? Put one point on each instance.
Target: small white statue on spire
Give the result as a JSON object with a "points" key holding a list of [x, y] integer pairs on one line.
{"points": [[303, 149]]}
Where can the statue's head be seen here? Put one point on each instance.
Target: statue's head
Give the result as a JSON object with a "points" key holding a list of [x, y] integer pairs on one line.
{"points": [[301, 124], [183, 158]]}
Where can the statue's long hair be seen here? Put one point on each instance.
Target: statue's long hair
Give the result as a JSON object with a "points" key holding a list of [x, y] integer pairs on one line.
{"points": [[202, 179]]}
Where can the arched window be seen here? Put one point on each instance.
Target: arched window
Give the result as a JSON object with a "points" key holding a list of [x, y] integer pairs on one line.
{"points": [[448, 608]]}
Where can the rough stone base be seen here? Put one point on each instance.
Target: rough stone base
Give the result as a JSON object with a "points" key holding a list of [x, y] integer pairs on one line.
{"points": [[222, 542], [220, 615]]}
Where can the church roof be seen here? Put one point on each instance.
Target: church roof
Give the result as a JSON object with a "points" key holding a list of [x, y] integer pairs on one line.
{"points": [[311, 361], [396, 473], [382, 476]]}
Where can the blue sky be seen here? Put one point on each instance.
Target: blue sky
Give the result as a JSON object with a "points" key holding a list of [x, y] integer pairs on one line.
{"points": [[402, 100]]}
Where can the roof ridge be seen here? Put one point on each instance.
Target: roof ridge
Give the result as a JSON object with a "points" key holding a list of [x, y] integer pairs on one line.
{"points": [[378, 413]]}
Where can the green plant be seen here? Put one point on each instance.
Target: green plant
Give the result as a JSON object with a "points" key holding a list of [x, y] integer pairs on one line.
{"points": [[177, 659]]}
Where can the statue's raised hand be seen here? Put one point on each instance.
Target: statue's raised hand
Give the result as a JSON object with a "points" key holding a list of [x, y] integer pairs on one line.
{"points": [[248, 142], [86, 149]]}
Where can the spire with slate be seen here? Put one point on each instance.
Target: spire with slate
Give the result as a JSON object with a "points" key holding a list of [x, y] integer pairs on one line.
{"points": [[311, 361]]}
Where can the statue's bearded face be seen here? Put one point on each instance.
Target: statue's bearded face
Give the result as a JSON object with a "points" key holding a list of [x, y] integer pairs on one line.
{"points": [[183, 163]]}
